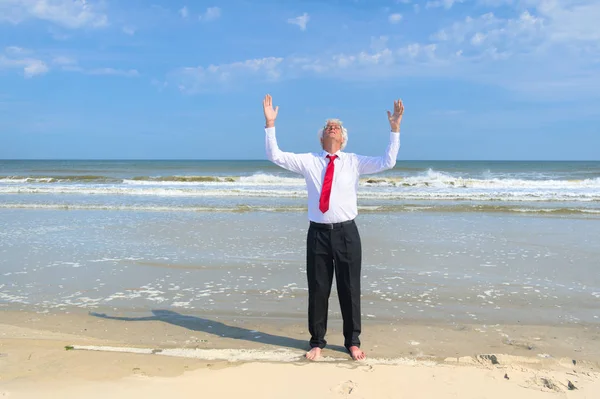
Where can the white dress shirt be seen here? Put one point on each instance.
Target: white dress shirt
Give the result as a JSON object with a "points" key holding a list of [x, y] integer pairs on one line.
{"points": [[347, 169]]}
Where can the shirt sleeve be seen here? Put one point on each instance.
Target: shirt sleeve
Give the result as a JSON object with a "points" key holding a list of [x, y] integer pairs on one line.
{"points": [[287, 160], [367, 165]]}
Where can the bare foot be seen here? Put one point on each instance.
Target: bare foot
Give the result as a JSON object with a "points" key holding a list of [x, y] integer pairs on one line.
{"points": [[356, 353], [314, 353]]}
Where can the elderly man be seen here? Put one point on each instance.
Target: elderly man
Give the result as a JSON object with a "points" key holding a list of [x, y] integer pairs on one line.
{"points": [[333, 242]]}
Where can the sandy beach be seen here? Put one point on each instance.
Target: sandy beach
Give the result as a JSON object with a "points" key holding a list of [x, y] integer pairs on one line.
{"points": [[79, 355]]}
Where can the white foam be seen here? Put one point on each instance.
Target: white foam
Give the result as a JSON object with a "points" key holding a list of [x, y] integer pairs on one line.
{"points": [[246, 355], [13, 298], [410, 193], [181, 304], [231, 355], [106, 260], [262, 178], [432, 178]]}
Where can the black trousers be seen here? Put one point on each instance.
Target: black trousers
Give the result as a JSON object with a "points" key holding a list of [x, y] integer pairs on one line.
{"points": [[334, 249]]}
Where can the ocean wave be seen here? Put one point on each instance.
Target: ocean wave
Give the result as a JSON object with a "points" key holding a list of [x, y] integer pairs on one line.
{"points": [[257, 179], [436, 179], [261, 179], [362, 209], [264, 178], [151, 208], [297, 191], [430, 179], [60, 179], [181, 179]]}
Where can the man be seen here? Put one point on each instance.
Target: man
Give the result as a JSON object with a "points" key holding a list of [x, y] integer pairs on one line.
{"points": [[333, 243]]}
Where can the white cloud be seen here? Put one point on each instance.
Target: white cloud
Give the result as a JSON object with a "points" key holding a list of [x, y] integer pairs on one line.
{"points": [[496, 3], [210, 14], [379, 62], [301, 21], [517, 35], [447, 4], [379, 43], [571, 20], [72, 14], [34, 68], [541, 48], [34, 65], [31, 66], [62, 60], [478, 38], [69, 64], [113, 72], [395, 18], [196, 79], [14, 50], [363, 59], [184, 12], [534, 47], [158, 84], [129, 30], [563, 20]]}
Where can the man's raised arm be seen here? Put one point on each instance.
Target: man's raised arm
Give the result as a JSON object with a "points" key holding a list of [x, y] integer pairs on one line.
{"points": [[287, 160], [368, 165]]}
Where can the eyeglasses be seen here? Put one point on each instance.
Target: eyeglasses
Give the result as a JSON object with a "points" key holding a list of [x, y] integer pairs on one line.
{"points": [[333, 127]]}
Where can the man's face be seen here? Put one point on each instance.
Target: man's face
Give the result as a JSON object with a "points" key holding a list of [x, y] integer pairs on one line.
{"points": [[333, 132]]}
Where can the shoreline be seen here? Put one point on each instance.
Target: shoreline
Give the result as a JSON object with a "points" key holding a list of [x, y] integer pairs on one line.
{"points": [[432, 340], [466, 361]]}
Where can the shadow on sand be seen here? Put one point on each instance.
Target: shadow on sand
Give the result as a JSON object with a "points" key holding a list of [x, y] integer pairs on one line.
{"points": [[217, 328]]}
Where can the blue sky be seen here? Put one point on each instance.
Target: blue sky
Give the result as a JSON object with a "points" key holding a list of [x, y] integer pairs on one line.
{"points": [[480, 79]]}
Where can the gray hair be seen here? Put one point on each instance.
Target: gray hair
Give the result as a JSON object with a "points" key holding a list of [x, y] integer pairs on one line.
{"points": [[344, 131]]}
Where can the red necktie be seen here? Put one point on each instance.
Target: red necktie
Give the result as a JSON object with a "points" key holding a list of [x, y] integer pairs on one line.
{"points": [[326, 189]]}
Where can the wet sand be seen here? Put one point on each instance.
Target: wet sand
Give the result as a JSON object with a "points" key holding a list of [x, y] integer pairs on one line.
{"points": [[189, 355]]}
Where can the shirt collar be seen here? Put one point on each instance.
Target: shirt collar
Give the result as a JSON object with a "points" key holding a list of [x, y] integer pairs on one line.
{"points": [[339, 154]]}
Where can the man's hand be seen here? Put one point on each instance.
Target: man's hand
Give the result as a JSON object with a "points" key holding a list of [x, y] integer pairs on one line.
{"points": [[396, 117], [270, 113]]}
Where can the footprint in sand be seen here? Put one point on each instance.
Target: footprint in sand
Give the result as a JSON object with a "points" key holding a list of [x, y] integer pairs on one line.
{"points": [[346, 388], [138, 371]]}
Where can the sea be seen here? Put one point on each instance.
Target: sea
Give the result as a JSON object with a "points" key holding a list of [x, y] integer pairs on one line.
{"points": [[214, 186], [445, 241]]}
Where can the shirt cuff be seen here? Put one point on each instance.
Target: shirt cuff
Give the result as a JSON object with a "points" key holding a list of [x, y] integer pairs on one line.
{"points": [[270, 130], [394, 135]]}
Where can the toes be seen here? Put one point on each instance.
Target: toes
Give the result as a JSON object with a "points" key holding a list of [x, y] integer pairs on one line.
{"points": [[358, 355], [312, 354]]}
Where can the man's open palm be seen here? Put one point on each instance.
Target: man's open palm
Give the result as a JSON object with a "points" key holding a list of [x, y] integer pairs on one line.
{"points": [[270, 113], [396, 117]]}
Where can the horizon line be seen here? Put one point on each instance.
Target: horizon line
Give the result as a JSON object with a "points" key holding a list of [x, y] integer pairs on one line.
{"points": [[266, 160]]}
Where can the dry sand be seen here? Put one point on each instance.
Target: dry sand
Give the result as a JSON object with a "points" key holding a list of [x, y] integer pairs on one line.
{"points": [[178, 361]]}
